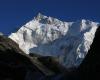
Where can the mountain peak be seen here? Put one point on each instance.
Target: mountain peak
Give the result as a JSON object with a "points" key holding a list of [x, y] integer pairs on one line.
{"points": [[44, 19], [40, 16], [47, 36]]}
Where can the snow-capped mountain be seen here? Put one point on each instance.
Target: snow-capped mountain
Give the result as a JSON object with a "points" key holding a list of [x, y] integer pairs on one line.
{"points": [[1, 33], [47, 36]]}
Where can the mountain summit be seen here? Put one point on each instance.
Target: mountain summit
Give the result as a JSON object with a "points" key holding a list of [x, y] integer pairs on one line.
{"points": [[48, 36]]}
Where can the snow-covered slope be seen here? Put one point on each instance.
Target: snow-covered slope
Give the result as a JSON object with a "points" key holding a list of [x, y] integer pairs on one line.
{"points": [[47, 36]]}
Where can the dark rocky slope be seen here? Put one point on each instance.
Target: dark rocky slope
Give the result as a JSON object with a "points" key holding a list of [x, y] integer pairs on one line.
{"points": [[16, 65]]}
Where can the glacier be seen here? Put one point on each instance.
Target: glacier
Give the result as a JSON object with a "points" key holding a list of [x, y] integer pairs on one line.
{"points": [[48, 36]]}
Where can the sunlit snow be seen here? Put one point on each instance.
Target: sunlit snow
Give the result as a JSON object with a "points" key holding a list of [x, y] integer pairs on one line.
{"points": [[47, 36]]}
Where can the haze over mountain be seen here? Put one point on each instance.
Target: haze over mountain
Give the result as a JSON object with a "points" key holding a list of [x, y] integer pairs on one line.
{"points": [[48, 36]]}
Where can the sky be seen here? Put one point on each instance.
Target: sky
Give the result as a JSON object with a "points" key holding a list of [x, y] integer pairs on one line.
{"points": [[15, 13]]}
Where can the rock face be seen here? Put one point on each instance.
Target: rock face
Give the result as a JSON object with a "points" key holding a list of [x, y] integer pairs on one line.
{"points": [[15, 64], [47, 36]]}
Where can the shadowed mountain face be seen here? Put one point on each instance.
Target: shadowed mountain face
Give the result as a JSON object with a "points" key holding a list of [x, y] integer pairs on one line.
{"points": [[14, 64], [90, 67]]}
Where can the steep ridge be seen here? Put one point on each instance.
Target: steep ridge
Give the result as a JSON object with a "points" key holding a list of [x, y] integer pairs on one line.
{"points": [[14, 63], [90, 67]]}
